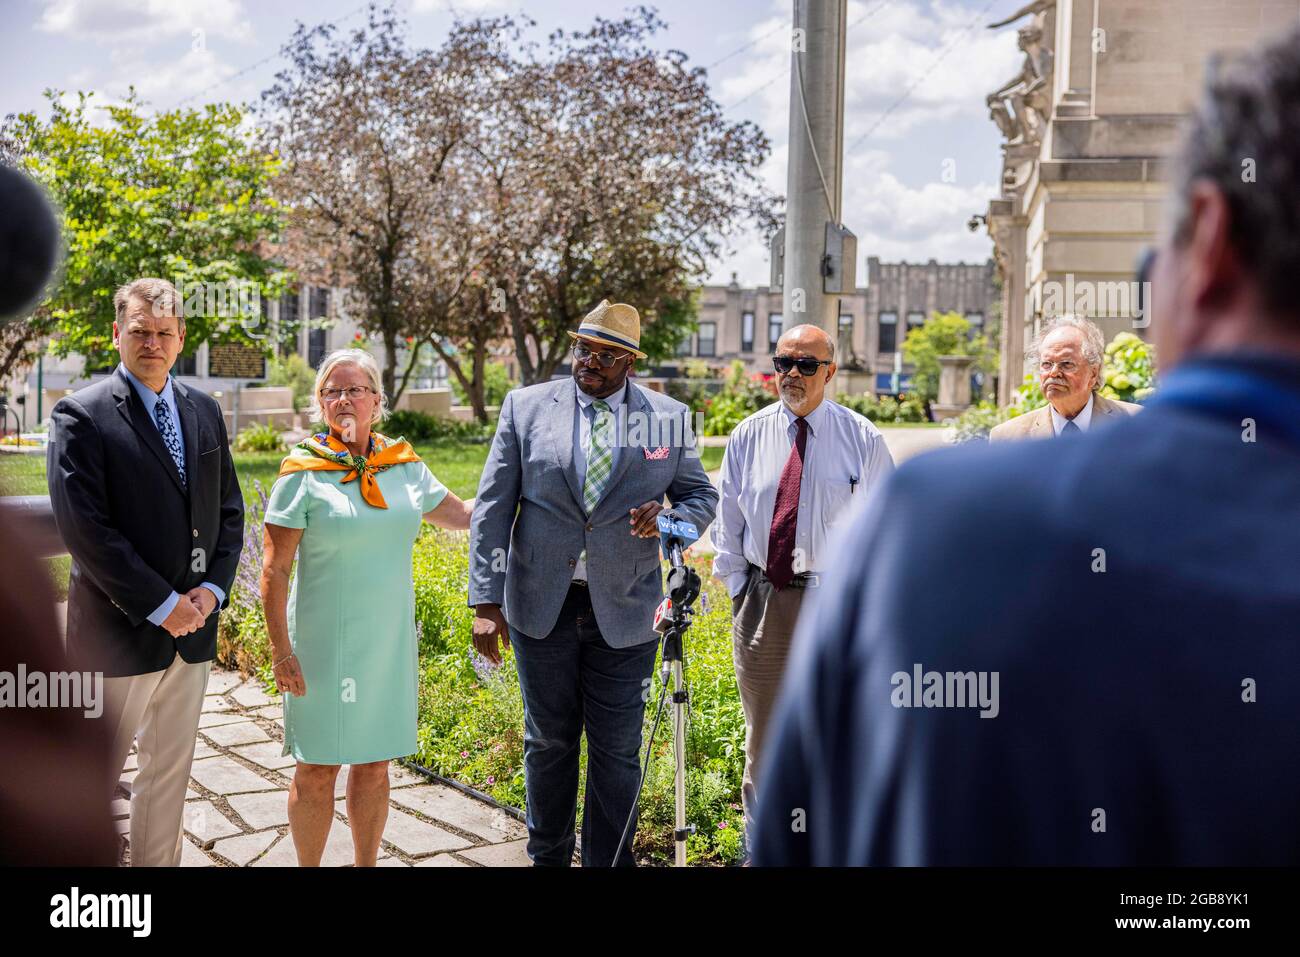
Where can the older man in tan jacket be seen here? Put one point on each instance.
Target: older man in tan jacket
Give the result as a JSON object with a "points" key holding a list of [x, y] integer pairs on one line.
{"points": [[1069, 355]]}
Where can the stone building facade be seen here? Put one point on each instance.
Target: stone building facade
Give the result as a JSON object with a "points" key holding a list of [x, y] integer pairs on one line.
{"points": [[1089, 122], [745, 323]]}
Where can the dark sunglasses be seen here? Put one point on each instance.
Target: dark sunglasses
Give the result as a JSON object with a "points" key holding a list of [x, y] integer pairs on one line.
{"points": [[606, 359], [807, 366]]}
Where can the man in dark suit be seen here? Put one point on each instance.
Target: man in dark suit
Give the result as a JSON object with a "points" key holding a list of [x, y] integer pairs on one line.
{"points": [[1085, 653], [146, 499]]}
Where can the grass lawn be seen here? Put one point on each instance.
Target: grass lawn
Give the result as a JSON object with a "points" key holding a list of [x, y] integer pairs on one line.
{"points": [[458, 465]]}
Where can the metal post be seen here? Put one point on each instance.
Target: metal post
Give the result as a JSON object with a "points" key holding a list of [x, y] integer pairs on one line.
{"points": [[815, 177]]}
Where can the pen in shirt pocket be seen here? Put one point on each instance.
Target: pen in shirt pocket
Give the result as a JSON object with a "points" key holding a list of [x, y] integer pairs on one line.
{"points": [[853, 484]]}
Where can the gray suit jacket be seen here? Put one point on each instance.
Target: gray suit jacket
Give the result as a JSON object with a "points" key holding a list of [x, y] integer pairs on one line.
{"points": [[1038, 424], [529, 526]]}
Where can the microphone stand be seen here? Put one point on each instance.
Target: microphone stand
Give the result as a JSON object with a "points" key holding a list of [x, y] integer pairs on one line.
{"points": [[683, 589]]}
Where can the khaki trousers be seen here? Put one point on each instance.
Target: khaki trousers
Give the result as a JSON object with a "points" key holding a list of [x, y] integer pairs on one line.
{"points": [[763, 622], [160, 711]]}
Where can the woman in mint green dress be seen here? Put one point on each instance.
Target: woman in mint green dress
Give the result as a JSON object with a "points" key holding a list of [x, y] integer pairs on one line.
{"points": [[349, 503]]}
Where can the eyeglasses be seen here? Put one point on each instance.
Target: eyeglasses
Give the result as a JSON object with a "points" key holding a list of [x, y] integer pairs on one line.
{"points": [[807, 366], [1068, 366], [352, 392], [606, 359]]}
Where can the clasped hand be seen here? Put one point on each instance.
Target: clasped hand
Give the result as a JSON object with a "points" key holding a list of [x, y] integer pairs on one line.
{"points": [[190, 612]]}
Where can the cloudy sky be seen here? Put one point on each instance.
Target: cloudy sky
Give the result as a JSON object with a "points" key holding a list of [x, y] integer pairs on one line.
{"points": [[921, 152]]}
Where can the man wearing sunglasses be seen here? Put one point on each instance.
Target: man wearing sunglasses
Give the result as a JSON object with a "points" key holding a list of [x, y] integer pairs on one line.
{"points": [[564, 551], [790, 474]]}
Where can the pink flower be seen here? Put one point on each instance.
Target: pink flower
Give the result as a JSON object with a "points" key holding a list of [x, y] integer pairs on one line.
{"points": [[464, 754], [492, 779], [722, 825]]}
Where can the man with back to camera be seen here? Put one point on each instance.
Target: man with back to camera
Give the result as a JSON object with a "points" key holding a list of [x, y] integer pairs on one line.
{"points": [[1133, 591], [146, 499]]}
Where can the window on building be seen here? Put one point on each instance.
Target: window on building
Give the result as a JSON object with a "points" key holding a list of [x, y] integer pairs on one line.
{"points": [[888, 332], [915, 320], [684, 347], [318, 303], [775, 323], [186, 365], [708, 339], [747, 332], [845, 344], [289, 316], [317, 346], [976, 320]]}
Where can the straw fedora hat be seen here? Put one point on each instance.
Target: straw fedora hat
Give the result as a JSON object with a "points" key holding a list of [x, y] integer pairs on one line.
{"points": [[612, 324]]}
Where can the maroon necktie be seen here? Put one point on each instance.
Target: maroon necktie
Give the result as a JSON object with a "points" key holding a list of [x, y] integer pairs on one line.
{"points": [[785, 513]]}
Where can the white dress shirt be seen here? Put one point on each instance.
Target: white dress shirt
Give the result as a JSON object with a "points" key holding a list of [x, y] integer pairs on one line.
{"points": [[844, 459], [1082, 420], [582, 422], [150, 400]]}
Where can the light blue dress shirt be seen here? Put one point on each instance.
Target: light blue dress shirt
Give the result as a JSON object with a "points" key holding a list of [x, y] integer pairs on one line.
{"points": [[845, 458], [150, 400], [582, 423]]}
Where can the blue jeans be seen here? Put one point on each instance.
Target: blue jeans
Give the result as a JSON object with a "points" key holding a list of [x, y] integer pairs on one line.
{"points": [[573, 681]]}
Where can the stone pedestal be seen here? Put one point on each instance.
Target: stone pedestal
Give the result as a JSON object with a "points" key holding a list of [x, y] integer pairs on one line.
{"points": [[954, 387]]}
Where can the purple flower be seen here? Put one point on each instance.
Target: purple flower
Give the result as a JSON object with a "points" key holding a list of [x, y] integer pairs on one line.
{"points": [[464, 754], [722, 825], [492, 779]]}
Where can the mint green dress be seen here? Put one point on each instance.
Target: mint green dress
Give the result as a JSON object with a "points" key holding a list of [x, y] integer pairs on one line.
{"points": [[352, 612]]}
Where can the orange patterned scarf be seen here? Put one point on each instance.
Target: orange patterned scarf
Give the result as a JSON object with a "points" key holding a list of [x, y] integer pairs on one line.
{"points": [[323, 452]]}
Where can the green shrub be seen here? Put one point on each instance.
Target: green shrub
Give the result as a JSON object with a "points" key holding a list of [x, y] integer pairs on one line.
{"points": [[496, 383], [260, 437], [1130, 370], [294, 372], [741, 396], [886, 409], [471, 714], [421, 427]]}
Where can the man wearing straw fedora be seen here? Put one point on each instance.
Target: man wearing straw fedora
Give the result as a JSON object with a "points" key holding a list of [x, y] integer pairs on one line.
{"points": [[565, 568]]}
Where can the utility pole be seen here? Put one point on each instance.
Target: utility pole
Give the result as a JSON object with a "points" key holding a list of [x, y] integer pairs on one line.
{"points": [[819, 254]]}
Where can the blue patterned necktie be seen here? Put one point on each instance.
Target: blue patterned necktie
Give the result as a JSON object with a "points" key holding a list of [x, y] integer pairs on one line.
{"points": [[162, 416], [1070, 428]]}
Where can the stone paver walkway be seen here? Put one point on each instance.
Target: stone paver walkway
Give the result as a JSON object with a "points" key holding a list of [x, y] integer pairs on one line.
{"points": [[236, 809]]}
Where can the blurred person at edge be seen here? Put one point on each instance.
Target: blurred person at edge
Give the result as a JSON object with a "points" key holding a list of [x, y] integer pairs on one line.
{"points": [[55, 759], [145, 496], [1134, 590]]}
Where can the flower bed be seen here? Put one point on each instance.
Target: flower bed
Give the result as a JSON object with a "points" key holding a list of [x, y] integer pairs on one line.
{"points": [[471, 714]]}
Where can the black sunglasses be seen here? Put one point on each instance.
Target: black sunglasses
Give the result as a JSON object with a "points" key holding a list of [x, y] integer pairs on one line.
{"points": [[807, 366]]}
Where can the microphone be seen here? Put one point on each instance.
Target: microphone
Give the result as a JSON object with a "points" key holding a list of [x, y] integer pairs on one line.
{"points": [[30, 243], [675, 536], [683, 582]]}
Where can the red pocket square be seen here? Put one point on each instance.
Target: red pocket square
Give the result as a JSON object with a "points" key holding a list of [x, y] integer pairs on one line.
{"points": [[656, 455]]}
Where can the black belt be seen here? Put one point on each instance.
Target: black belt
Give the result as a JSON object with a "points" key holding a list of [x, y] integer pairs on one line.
{"points": [[802, 580]]}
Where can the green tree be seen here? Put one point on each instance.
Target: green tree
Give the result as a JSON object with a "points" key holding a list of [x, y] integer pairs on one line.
{"points": [[946, 334], [182, 195]]}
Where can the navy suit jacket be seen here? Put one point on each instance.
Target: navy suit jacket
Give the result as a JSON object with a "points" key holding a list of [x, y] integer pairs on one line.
{"points": [[1121, 692], [134, 533]]}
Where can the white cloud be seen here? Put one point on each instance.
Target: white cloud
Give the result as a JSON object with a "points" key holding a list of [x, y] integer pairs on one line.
{"points": [[461, 7], [140, 20], [912, 67], [164, 84]]}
